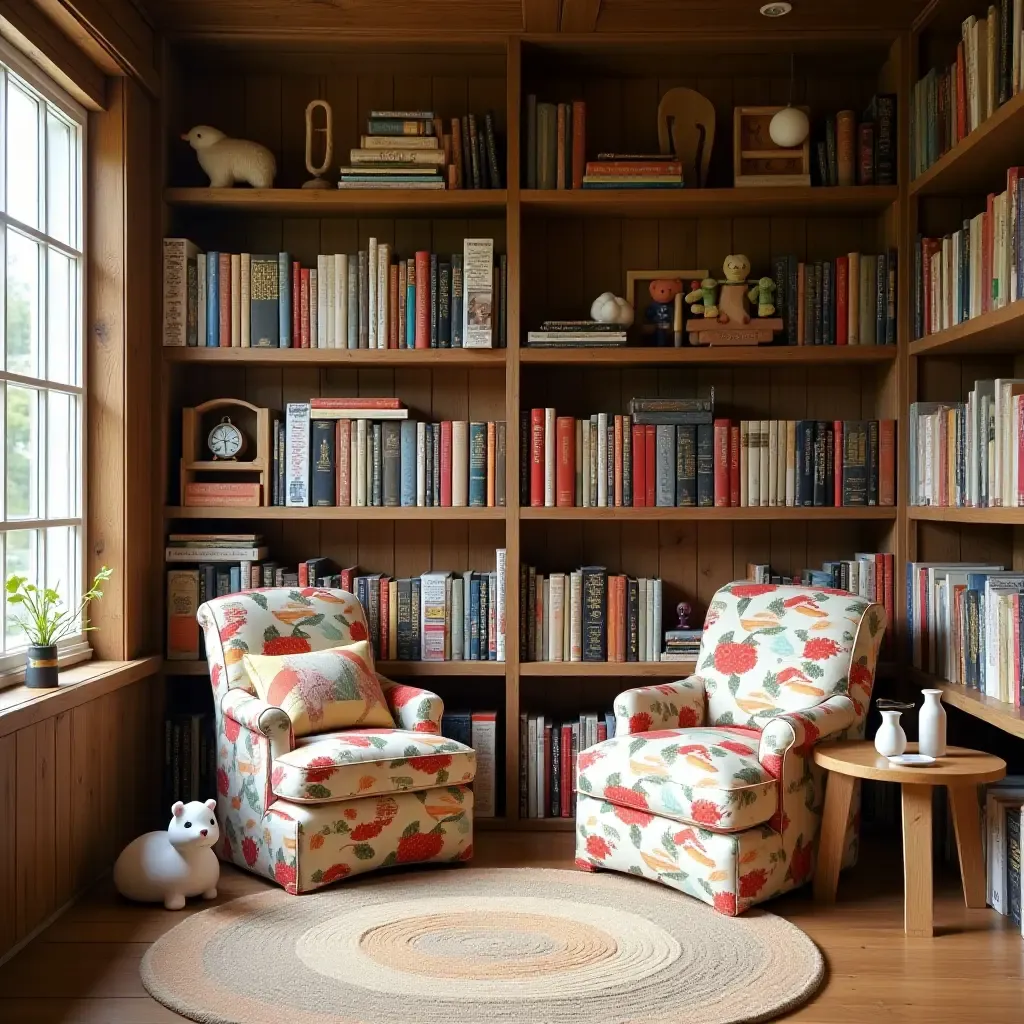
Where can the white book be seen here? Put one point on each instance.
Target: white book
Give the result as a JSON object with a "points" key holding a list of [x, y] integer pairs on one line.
{"points": [[434, 592], [773, 463], [764, 457], [458, 618], [227, 553], [853, 300], [178, 254], [244, 299], [585, 445], [460, 463], [371, 275], [340, 336], [545, 645], [645, 654], [575, 616], [353, 464], [790, 463], [744, 456], [383, 277], [201, 300], [531, 766], [484, 733], [556, 595], [478, 293], [549, 458], [602, 460], [236, 300], [754, 464], [655, 626], [649, 644], [565, 622], [297, 455], [325, 290], [500, 560], [362, 427], [1005, 389]]}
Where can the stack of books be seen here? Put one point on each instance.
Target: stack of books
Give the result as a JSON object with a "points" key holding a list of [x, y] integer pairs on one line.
{"points": [[1002, 816], [399, 150], [949, 103], [479, 730], [577, 334], [588, 615], [682, 644], [633, 170], [369, 299], [974, 270], [547, 760], [367, 452], [555, 149], [849, 151], [190, 757]]}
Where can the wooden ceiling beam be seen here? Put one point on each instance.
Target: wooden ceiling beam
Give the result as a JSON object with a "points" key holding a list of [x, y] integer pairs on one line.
{"points": [[580, 15], [541, 15]]}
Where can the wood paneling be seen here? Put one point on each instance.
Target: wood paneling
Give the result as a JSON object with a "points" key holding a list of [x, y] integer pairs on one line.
{"points": [[74, 788]]}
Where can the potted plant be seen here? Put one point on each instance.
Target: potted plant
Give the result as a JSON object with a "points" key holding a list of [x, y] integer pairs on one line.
{"points": [[45, 622]]}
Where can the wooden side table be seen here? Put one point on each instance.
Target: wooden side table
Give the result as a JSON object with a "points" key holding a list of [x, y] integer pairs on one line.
{"points": [[960, 771]]}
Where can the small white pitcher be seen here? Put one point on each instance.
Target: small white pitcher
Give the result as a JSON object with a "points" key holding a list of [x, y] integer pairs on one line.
{"points": [[890, 740]]}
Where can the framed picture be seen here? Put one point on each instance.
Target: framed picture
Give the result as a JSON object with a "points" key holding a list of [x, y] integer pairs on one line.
{"points": [[650, 326]]}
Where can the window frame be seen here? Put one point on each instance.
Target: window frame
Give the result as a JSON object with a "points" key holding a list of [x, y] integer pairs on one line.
{"points": [[75, 648]]}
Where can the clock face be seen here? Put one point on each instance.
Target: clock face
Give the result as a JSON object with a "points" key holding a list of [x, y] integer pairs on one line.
{"points": [[226, 440]]}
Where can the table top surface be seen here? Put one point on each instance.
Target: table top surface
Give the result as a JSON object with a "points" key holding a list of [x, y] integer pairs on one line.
{"points": [[860, 759]]}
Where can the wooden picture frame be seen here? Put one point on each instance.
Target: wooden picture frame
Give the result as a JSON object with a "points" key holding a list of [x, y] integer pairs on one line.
{"points": [[757, 161], [640, 331]]}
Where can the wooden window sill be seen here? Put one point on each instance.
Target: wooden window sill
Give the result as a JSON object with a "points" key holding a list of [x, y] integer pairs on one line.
{"points": [[21, 706]]}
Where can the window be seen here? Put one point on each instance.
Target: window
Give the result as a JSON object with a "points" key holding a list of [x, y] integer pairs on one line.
{"points": [[42, 136]]}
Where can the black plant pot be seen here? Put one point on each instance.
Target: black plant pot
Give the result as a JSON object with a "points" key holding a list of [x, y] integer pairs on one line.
{"points": [[41, 667]]}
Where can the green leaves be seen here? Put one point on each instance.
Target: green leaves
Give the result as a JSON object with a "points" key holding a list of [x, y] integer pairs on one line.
{"points": [[42, 618]]}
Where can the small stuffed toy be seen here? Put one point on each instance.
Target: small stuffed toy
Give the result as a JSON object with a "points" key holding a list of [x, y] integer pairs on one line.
{"points": [[166, 867], [229, 161], [611, 309], [660, 312], [703, 296], [761, 295]]}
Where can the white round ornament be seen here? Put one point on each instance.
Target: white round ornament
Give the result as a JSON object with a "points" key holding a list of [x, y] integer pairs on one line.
{"points": [[789, 127]]}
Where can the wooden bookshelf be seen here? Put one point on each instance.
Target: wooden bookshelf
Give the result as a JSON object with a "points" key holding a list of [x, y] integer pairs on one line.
{"points": [[689, 514], [1000, 331], [362, 513], [609, 669], [760, 355], [974, 516], [1004, 716], [357, 358], [391, 669]]}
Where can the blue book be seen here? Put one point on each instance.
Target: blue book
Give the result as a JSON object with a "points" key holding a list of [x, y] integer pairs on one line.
{"points": [[212, 299], [485, 653], [408, 462], [474, 618], [458, 726], [434, 303], [609, 723], [284, 291], [410, 306], [457, 300], [236, 579], [477, 465]]}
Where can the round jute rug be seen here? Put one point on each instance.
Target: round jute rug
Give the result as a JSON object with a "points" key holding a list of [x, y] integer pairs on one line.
{"points": [[480, 946]]}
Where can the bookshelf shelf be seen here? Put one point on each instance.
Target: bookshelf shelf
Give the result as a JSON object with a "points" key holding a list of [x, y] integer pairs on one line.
{"points": [[358, 357], [1002, 715], [978, 164], [609, 669], [677, 514], [362, 202], [438, 669], [981, 516], [357, 513], [710, 202], [525, 824], [761, 355], [1002, 330]]}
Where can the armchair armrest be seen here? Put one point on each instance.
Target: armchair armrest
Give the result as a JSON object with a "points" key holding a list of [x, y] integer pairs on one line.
{"points": [[665, 706], [412, 708], [799, 731], [243, 709]]}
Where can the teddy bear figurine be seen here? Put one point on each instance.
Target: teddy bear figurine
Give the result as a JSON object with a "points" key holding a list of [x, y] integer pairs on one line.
{"points": [[660, 313]]}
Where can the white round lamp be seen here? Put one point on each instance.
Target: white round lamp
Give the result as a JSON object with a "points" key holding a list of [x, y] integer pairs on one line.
{"points": [[789, 127]]}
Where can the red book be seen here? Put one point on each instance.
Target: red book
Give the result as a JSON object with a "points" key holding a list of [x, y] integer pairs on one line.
{"points": [[355, 403], [634, 168], [722, 463], [842, 298], [250, 497], [617, 652], [837, 463], [579, 141], [961, 93], [734, 467], [492, 440], [565, 462], [617, 456], [382, 632], [343, 448], [639, 461], [866, 154], [393, 307], [422, 299], [303, 574], [887, 462], [224, 276], [537, 458], [932, 318], [1015, 648], [649, 462], [446, 463], [566, 767], [304, 309], [213, 489], [296, 305], [602, 732]]}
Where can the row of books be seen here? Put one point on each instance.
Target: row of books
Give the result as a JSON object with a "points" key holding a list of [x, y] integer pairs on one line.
{"points": [[974, 270], [547, 760], [577, 334], [189, 758], [626, 170], [410, 149], [1002, 813], [339, 451], [848, 152], [555, 147], [964, 624], [969, 454], [369, 299], [589, 615], [479, 730], [610, 460], [850, 300], [948, 103]]}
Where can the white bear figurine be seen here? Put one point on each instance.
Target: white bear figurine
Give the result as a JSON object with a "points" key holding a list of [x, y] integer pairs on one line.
{"points": [[612, 309], [228, 161], [168, 866]]}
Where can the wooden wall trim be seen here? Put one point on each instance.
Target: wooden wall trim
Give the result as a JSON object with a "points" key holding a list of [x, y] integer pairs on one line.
{"points": [[580, 15], [27, 29], [541, 15]]}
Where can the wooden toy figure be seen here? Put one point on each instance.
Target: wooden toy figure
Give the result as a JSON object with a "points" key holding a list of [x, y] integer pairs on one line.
{"points": [[729, 321], [659, 314]]}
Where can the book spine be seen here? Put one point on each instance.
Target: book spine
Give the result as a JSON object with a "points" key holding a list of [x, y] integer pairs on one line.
{"points": [[639, 485], [665, 474], [887, 462], [224, 305], [721, 463], [846, 122], [324, 462], [456, 301], [650, 462], [842, 297], [178, 253], [550, 457], [705, 465], [297, 454], [477, 465], [594, 590], [734, 466], [422, 299], [391, 440], [182, 606], [478, 287], [565, 473], [579, 142]]}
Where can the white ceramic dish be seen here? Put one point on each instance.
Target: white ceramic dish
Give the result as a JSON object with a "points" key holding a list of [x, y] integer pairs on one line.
{"points": [[912, 760]]}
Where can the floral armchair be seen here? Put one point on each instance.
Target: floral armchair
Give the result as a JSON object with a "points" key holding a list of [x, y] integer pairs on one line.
{"points": [[709, 785], [307, 811]]}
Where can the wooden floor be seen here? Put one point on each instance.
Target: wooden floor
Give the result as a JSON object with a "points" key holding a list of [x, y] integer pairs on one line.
{"points": [[85, 967]]}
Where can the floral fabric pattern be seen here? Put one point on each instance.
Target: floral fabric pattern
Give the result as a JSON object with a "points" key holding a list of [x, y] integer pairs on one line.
{"points": [[344, 765], [706, 777], [303, 845], [789, 666], [321, 690]]}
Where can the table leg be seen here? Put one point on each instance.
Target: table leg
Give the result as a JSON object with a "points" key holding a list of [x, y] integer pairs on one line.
{"points": [[917, 860], [963, 802], [838, 794]]}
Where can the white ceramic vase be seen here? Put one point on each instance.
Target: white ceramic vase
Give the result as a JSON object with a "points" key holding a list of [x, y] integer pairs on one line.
{"points": [[890, 739], [931, 725]]}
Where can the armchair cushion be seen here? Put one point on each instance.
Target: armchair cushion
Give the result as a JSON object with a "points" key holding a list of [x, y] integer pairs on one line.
{"points": [[681, 704], [343, 765], [707, 777], [334, 688]]}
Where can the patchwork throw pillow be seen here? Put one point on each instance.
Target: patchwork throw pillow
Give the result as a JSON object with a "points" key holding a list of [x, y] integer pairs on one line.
{"points": [[322, 690]]}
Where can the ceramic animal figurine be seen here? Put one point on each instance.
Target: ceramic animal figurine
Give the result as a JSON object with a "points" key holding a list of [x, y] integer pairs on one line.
{"points": [[230, 161], [611, 309], [683, 612], [166, 867], [660, 314]]}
